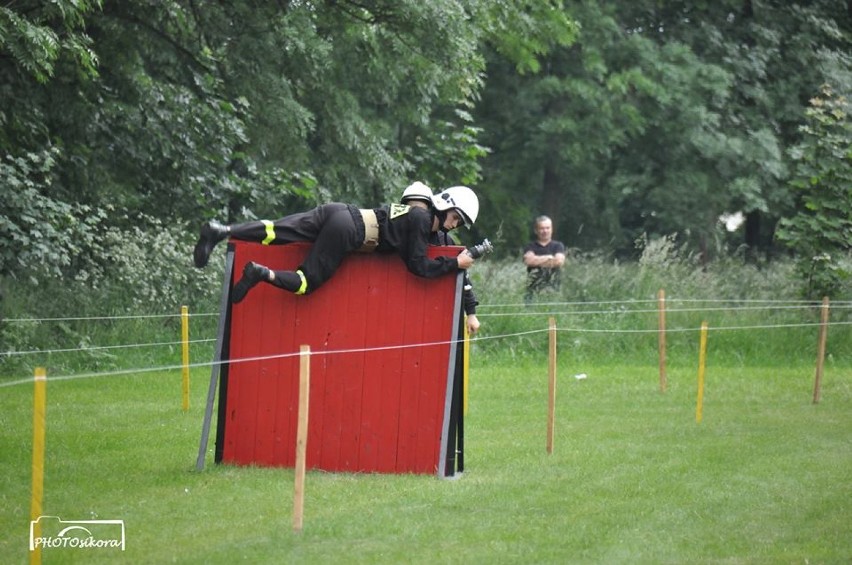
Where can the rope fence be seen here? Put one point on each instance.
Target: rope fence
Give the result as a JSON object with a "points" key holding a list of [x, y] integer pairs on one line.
{"points": [[408, 345], [661, 312], [523, 309], [105, 347]]}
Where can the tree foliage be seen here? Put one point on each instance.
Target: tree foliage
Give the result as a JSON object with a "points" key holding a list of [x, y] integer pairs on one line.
{"points": [[820, 232], [40, 230], [662, 117], [230, 109], [621, 120], [36, 34]]}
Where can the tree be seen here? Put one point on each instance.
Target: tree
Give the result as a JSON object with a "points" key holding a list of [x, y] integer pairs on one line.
{"points": [[39, 226], [820, 233], [34, 35], [662, 116], [596, 139], [242, 109]]}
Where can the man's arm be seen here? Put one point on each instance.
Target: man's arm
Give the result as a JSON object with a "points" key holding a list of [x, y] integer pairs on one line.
{"points": [[545, 261]]}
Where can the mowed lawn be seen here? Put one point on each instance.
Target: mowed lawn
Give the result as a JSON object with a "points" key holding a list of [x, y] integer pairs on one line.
{"points": [[766, 477]]}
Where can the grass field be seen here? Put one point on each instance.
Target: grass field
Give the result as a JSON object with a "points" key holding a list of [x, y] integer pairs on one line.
{"points": [[766, 477]]}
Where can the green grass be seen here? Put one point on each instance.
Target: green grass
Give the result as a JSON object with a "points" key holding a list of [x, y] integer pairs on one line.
{"points": [[766, 477]]}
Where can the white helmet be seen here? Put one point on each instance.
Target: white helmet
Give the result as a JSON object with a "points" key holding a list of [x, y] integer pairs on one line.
{"points": [[417, 191], [459, 198]]}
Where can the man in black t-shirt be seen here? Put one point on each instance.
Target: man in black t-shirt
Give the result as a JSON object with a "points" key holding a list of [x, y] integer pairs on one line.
{"points": [[544, 258]]}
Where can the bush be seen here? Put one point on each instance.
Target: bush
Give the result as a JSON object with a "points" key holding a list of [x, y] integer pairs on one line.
{"points": [[607, 309], [134, 286]]}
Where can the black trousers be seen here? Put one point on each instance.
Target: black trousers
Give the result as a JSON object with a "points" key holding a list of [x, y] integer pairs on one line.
{"points": [[335, 229]]}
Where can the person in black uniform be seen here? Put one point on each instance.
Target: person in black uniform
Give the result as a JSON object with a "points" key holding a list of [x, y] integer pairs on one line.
{"points": [[337, 229], [418, 194]]}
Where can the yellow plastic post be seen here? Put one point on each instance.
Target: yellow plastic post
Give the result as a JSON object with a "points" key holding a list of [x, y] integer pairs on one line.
{"points": [[823, 335], [39, 409], [661, 305], [466, 353], [302, 436], [702, 357], [551, 396], [184, 336]]}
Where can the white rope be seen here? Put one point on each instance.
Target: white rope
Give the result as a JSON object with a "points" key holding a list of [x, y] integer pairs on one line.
{"points": [[645, 311], [711, 328], [102, 347], [497, 314], [167, 368], [104, 318], [523, 306], [667, 299]]}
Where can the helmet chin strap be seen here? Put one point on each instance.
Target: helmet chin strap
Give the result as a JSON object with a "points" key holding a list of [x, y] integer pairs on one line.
{"points": [[442, 218]]}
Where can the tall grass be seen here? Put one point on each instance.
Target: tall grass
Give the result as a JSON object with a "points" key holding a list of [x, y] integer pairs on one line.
{"points": [[610, 309], [604, 309]]}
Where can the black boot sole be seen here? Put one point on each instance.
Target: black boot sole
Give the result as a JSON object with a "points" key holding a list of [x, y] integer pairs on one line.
{"points": [[251, 276], [206, 242]]}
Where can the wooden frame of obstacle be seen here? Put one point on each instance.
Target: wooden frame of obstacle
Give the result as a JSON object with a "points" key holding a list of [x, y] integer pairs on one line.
{"points": [[386, 385]]}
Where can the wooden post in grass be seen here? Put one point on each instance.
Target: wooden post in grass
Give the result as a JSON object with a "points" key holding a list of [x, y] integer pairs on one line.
{"points": [[302, 436], [661, 305], [702, 357], [823, 334], [39, 402], [184, 339], [551, 373]]}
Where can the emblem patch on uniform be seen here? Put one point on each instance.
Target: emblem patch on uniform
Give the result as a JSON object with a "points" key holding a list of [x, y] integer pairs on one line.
{"points": [[397, 210]]}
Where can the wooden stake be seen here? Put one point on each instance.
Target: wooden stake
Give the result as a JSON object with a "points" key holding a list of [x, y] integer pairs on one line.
{"points": [[184, 337], [551, 370], [661, 305], [702, 357], [302, 436], [823, 335], [39, 409]]}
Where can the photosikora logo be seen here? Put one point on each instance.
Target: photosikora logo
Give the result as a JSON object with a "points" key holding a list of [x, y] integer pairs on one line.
{"points": [[48, 532]]}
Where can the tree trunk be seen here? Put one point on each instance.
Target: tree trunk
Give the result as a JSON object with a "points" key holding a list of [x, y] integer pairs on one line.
{"points": [[752, 235], [552, 196]]}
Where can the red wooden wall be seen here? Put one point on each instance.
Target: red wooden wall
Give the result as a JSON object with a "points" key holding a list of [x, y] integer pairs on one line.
{"points": [[381, 410]]}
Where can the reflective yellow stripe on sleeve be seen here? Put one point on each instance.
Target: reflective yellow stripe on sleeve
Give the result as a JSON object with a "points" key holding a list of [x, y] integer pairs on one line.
{"points": [[270, 232], [304, 285]]}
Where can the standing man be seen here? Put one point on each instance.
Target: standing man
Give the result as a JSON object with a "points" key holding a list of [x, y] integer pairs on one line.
{"points": [[544, 258]]}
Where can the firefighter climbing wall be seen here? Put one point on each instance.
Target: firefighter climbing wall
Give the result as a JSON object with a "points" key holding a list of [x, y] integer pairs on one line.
{"points": [[383, 366]]}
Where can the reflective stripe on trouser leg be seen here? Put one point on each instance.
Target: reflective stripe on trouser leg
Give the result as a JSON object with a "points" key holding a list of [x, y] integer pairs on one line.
{"points": [[304, 286], [270, 232]]}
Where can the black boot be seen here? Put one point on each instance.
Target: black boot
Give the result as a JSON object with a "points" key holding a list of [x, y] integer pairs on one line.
{"points": [[211, 233], [252, 274]]}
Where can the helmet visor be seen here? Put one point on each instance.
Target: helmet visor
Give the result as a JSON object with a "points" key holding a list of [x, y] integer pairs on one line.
{"points": [[465, 221]]}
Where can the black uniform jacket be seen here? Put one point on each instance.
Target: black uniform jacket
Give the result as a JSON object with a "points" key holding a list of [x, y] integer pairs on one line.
{"points": [[407, 231]]}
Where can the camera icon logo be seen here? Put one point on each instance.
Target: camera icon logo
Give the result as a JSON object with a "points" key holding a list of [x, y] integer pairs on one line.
{"points": [[53, 532]]}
